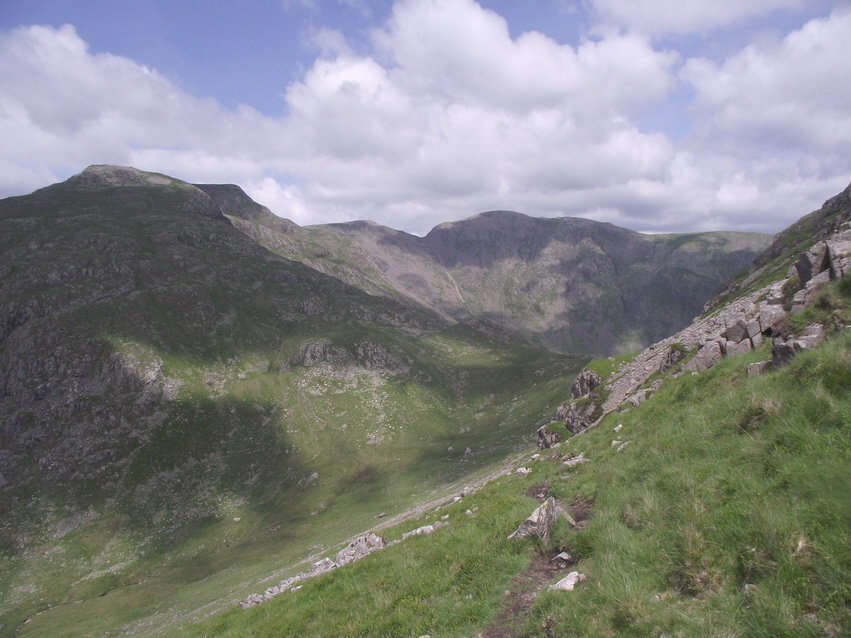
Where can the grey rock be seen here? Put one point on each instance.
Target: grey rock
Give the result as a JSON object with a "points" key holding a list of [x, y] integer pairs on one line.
{"points": [[707, 356], [755, 369], [568, 582], [359, 548], [540, 522], [742, 347], [839, 251], [571, 461], [812, 262], [775, 296], [673, 357], [547, 439], [736, 328], [585, 383], [576, 418], [770, 316]]}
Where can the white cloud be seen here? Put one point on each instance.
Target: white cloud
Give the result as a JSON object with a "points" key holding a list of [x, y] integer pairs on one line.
{"points": [[794, 95], [685, 16], [450, 116]]}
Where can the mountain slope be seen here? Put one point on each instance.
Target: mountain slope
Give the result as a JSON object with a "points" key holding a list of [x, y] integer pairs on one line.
{"points": [[573, 285], [182, 409], [717, 506]]}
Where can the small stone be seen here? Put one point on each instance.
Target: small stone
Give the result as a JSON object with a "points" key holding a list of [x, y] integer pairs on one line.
{"points": [[569, 582], [382, 515], [563, 556], [616, 443], [618, 428], [522, 472], [445, 517], [469, 513]]}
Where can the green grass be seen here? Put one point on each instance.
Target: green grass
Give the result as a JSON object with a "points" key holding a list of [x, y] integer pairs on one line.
{"points": [[728, 514]]}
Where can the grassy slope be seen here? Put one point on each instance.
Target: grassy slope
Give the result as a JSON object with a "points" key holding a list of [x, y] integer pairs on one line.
{"points": [[727, 515]]}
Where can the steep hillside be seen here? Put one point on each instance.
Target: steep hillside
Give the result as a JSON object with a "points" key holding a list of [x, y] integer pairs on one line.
{"points": [[712, 498], [572, 285], [182, 410]]}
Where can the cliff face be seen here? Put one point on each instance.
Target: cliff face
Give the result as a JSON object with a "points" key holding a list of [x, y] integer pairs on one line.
{"points": [[572, 285]]}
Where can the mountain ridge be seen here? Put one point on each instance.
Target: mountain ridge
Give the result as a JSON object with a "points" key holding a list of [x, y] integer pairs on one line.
{"points": [[569, 284]]}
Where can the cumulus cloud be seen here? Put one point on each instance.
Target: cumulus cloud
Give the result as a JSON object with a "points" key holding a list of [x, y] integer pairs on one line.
{"points": [[448, 115], [660, 17], [794, 94]]}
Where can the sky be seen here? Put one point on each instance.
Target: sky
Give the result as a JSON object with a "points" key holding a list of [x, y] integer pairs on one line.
{"points": [[654, 115]]}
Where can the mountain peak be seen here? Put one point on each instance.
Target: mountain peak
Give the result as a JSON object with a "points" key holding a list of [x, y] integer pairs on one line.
{"points": [[107, 175]]}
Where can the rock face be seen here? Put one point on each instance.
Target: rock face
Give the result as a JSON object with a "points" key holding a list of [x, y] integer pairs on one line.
{"points": [[737, 329]]}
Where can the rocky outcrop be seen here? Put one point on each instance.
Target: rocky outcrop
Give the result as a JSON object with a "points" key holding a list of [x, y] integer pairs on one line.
{"points": [[585, 383], [738, 328]]}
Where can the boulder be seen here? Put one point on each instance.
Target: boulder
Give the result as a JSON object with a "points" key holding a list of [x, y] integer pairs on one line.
{"points": [[585, 384], [800, 300], [770, 316], [671, 359], [547, 439], [782, 350], [540, 523], [812, 262], [707, 356], [568, 582], [638, 398], [734, 349], [839, 253], [736, 328]]}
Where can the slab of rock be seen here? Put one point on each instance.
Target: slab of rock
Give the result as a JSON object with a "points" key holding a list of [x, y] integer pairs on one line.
{"points": [[734, 349], [737, 327], [568, 582], [839, 252], [770, 316], [812, 262], [540, 522], [707, 356]]}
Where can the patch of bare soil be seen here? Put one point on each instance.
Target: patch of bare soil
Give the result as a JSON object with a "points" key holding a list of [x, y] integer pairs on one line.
{"points": [[539, 492], [517, 601], [580, 509]]}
